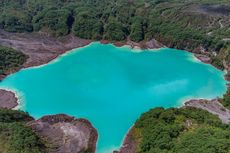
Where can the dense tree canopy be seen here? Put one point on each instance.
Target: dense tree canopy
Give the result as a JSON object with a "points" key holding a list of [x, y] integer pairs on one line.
{"points": [[56, 21], [184, 130], [179, 24], [10, 60], [15, 135], [115, 31], [226, 100], [8, 116], [137, 30]]}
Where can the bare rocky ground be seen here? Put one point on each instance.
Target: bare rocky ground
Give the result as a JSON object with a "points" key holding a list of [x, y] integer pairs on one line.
{"points": [[212, 106], [40, 47], [202, 57], [7, 99], [66, 134]]}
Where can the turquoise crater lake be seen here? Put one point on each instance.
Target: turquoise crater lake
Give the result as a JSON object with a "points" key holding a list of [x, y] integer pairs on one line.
{"points": [[112, 86]]}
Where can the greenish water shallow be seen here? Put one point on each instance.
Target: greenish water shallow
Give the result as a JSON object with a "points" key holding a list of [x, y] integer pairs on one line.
{"points": [[112, 86]]}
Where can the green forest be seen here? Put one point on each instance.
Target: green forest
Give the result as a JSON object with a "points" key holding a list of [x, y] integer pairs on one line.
{"points": [[226, 100], [10, 60], [15, 135], [179, 24], [182, 24], [184, 130]]}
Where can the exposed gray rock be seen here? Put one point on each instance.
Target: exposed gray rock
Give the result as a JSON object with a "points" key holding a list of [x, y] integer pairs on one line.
{"points": [[66, 134], [212, 106], [40, 47], [7, 99], [203, 58]]}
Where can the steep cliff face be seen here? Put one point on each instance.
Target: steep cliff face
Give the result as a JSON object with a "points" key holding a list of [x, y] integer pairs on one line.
{"points": [[66, 134]]}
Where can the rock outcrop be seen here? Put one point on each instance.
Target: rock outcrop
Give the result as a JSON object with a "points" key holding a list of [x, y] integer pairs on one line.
{"points": [[203, 58], [66, 134], [212, 106], [8, 99], [129, 145]]}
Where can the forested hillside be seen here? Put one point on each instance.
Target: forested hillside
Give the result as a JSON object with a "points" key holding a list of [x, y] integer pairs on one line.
{"points": [[176, 23], [184, 130], [15, 135]]}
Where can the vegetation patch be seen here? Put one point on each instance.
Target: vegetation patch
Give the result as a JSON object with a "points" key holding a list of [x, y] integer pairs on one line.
{"points": [[10, 60], [15, 135], [180, 130], [190, 25]]}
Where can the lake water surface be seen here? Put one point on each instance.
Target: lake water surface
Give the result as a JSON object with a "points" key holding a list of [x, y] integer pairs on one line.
{"points": [[112, 86]]}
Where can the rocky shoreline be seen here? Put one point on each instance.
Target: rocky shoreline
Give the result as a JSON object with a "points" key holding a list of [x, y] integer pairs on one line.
{"points": [[8, 99], [66, 134], [151, 44], [129, 145]]}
